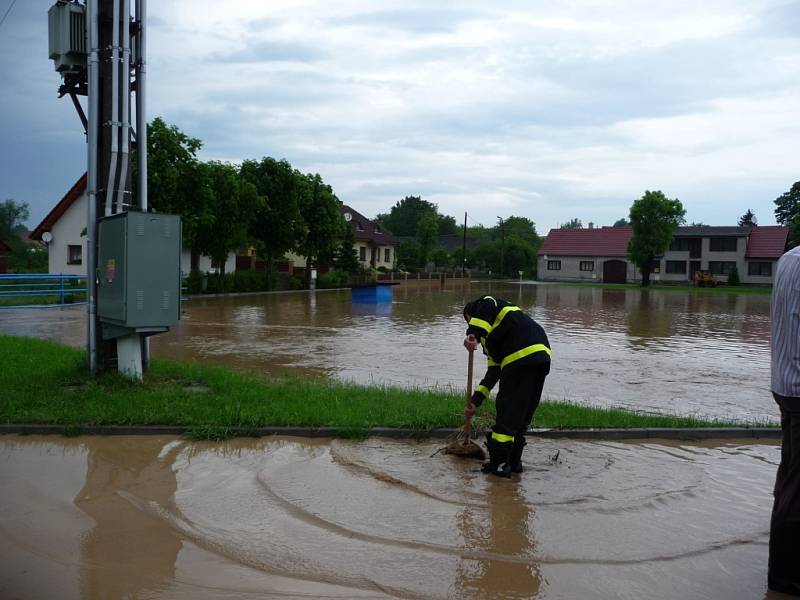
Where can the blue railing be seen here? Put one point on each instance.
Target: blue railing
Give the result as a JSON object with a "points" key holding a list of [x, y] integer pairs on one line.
{"points": [[36, 290]]}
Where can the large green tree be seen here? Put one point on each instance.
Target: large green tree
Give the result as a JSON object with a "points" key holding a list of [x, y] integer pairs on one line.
{"points": [[176, 181], [277, 224], [572, 224], [427, 229], [653, 217], [235, 201], [13, 215], [787, 212], [323, 223], [621, 223], [404, 217], [748, 219]]}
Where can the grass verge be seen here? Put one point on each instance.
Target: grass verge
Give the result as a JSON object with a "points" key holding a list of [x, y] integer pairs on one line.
{"points": [[45, 382]]}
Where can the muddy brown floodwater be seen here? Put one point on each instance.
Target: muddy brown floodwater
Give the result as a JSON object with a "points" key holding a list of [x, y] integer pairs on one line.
{"points": [[152, 517], [656, 351]]}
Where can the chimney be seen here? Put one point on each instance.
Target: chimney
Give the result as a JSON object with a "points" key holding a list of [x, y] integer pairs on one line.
{"points": [[591, 225]]}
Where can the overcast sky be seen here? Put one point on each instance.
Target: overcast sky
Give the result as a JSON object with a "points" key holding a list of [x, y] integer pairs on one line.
{"points": [[548, 110]]}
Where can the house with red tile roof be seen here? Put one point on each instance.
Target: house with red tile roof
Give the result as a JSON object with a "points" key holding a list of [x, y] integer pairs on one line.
{"points": [[600, 255], [590, 255]]}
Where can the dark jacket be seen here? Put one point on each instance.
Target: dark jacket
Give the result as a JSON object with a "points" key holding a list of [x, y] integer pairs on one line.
{"points": [[509, 338]]}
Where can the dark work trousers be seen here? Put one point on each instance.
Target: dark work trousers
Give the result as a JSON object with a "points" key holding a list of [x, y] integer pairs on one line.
{"points": [[518, 396], [784, 531]]}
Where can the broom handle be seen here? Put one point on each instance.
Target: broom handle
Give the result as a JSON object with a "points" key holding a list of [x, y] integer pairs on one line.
{"points": [[468, 424]]}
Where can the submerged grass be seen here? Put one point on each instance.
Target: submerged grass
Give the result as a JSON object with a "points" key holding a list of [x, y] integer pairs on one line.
{"points": [[674, 287], [45, 382]]}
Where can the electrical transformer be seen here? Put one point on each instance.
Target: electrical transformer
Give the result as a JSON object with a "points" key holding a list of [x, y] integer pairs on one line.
{"points": [[67, 36], [138, 273]]}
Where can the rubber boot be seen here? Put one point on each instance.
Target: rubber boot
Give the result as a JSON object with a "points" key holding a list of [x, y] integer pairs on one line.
{"points": [[499, 453], [515, 460]]}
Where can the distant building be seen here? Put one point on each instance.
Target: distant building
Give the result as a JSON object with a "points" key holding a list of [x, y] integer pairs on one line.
{"points": [[601, 254], [5, 250], [374, 246], [66, 223]]}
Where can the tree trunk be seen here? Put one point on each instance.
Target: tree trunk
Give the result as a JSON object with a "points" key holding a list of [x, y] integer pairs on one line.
{"points": [[646, 277], [308, 273]]}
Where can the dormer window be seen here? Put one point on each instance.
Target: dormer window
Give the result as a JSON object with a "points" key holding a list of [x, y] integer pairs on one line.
{"points": [[359, 226], [377, 229]]}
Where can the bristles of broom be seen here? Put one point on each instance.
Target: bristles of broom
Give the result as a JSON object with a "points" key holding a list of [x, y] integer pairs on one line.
{"points": [[466, 448]]}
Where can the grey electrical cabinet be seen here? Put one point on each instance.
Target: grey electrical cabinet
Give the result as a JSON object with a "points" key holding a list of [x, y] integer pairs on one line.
{"points": [[139, 270]]}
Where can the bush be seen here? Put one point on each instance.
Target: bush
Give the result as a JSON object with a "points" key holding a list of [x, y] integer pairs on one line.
{"points": [[733, 277], [333, 279], [240, 281]]}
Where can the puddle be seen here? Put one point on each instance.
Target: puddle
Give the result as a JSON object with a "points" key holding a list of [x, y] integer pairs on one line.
{"points": [[157, 517]]}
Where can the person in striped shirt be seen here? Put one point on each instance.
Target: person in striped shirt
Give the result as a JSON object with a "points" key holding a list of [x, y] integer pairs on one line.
{"points": [[784, 535], [518, 356]]}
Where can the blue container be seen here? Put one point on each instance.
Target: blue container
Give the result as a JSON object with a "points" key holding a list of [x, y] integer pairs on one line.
{"points": [[372, 294]]}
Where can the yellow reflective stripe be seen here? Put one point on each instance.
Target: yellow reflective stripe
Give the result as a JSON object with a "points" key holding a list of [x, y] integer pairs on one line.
{"points": [[490, 362], [480, 323], [501, 437], [525, 352], [502, 314], [482, 389]]}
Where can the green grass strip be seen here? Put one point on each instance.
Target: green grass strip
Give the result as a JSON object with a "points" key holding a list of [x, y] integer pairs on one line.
{"points": [[47, 383]]}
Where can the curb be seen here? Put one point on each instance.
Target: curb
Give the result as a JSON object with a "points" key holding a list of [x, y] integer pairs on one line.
{"points": [[710, 433]]}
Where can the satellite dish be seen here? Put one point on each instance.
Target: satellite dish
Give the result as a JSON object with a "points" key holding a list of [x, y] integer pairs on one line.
{"points": [[47, 237]]}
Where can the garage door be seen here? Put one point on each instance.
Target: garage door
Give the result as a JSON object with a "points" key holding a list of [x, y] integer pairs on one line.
{"points": [[615, 271]]}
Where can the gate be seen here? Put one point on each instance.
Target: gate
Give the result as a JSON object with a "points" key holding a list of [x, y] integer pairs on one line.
{"points": [[615, 271]]}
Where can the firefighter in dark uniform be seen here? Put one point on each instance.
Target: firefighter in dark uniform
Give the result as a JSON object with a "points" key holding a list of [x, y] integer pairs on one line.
{"points": [[518, 355]]}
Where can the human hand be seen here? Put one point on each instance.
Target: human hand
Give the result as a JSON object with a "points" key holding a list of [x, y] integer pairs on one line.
{"points": [[470, 343], [469, 410]]}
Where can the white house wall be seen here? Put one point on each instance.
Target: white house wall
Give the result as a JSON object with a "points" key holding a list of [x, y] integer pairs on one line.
{"points": [[204, 263], [67, 232], [570, 269]]}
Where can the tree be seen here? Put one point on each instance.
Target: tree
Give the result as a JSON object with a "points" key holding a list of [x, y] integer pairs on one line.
{"points": [[427, 228], [653, 217], [175, 181], [277, 224], [447, 225], [323, 223], [621, 223], [345, 258], [748, 219], [404, 217], [787, 212], [523, 228], [572, 224], [13, 215], [235, 201]]}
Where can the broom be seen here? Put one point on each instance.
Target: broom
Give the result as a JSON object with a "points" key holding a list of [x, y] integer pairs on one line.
{"points": [[466, 447]]}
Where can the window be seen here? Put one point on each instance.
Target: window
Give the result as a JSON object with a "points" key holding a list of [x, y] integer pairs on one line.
{"points": [[679, 245], [387, 255], [721, 267], [377, 229], [760, 269], [655, 266], [74, 255], [362, 254], [359, 226], [553, 265], [587, 265], [723, 244], [676, 267]]}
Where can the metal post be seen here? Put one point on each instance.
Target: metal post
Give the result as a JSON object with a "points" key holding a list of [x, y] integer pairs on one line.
{"points": [[141, 129], [464, 247], [61, 289], [91, 186]]}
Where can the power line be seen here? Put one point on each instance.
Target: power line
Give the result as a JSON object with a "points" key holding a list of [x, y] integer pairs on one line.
{"points": [[8, 10]]}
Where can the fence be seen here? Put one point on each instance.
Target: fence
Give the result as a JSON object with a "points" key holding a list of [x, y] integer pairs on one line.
{"points": [[33, 290]]}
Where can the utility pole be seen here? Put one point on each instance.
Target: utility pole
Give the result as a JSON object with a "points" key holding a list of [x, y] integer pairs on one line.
{"points": [[92, 44], [502, 244], [464, 248]]}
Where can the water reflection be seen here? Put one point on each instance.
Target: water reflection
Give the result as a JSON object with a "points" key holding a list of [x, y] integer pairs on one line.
{"points": [[652, 350]]}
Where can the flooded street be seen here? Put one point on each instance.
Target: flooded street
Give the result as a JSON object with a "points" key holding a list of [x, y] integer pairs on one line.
{"points": [[153, 517], [659, 351]]}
